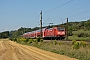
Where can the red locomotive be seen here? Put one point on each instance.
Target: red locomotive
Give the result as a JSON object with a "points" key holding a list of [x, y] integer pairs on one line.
{"points": [[51, 33]]}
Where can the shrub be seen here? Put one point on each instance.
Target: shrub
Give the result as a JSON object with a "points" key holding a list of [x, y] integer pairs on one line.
{"points": [[60, 43], [86, 35], [83, 35], [27, 39], [80, 34], [22, 40], [11, 39], [38, 39], [34, 40], [55, 42], [30, 41], [70, 33], [41, 40], [73, 42], [15, 39], [76, 45], [18, 40], [83, 44]]}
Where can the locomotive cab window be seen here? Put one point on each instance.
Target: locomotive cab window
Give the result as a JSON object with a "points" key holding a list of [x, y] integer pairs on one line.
{"points": [[60, 29]]}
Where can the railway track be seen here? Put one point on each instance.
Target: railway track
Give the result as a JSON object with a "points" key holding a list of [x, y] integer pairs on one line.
{"points": [[67, 40]]}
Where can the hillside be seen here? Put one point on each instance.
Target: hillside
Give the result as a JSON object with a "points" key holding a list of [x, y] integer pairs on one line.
{"points": [[84, 26]]}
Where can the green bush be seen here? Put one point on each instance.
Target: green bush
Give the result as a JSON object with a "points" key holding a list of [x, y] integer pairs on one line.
{"points": [[76, 45], [81, 35], [34, 40], [86, 35], [27, 39], [30, 41], [38, 39], [11, 39], [83, 44], [15, 39], [70, 33], [73, 42], [22, 39], [60, 43], [18, 40], [55, 42], [41, 40]]}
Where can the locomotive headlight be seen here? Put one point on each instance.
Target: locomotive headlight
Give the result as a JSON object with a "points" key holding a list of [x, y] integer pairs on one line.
{"points": [[58, 32], [63, 32]]}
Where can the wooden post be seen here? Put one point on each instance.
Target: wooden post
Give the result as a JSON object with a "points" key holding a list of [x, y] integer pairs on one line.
{"points": [[41, 25], [66, 28]]}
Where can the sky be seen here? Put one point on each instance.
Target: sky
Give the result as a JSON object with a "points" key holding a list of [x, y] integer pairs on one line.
{"points": [[26, 13]]}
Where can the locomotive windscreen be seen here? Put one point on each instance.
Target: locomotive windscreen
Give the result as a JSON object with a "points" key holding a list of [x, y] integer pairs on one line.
{"points": [[61, 29]]}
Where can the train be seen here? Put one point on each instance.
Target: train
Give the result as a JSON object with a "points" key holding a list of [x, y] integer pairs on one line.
{"points": [[47, 33]]}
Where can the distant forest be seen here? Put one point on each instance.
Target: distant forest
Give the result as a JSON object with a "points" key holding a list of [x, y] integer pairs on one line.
{"points": [[72, 26]]}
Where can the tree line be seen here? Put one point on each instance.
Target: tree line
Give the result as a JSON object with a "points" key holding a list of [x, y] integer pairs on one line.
{"points": [[4, 34], [72, 26]]}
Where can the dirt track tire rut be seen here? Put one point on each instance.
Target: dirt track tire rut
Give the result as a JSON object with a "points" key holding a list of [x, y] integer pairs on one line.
{"points": [[10, 50]]}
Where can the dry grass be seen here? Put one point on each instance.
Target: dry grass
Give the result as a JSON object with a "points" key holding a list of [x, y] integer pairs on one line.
{"points": [[66, 49]]}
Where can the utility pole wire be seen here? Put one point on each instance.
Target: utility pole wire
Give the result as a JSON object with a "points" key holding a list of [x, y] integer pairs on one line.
{"points": [[45, 21], [77, 9], [61, 20], [59, 6], [82, 17], [81, 13]]}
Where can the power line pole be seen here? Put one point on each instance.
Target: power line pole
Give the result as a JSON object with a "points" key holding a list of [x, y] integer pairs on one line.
{"points": [[41, 24], [66, 28]]}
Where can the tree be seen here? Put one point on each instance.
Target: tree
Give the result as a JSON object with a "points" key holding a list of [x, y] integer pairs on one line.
{"points": [[4, 34]]}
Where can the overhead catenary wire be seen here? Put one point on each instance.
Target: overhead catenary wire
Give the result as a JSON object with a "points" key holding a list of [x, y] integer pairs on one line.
{"points": [[58, 6], [35, 19], [70, 11], [62, 20], [78, 9], [80, 13], [85, 16], [45, 21], [82, 18]]}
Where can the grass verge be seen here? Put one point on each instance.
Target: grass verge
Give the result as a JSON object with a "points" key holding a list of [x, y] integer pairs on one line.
{"points": [[63, 48]]}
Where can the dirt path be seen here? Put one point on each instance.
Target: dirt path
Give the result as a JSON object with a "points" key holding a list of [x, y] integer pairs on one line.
{"points": [[10, 50]]}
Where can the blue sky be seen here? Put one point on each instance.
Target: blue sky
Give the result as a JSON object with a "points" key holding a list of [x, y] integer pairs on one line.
{"points": [[26, 13]]}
